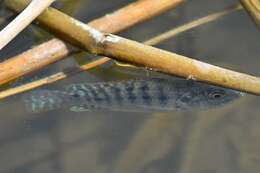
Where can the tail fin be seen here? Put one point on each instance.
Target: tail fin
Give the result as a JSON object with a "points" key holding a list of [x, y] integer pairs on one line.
{"points": [[45, 100]]}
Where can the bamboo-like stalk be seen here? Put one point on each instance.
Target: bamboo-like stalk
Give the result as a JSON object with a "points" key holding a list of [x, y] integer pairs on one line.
{"points": [[153, 41], [33, 10], [136, 53], [55, 49], [253, 7]]}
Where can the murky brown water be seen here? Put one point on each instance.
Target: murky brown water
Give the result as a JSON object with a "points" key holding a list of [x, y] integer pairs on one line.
{"points": [[221, 140]]}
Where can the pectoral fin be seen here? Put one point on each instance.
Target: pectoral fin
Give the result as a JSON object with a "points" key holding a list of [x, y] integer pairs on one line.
{"points": [[83, 108], [79, 109]]}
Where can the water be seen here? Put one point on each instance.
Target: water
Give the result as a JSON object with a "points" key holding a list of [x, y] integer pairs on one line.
{"points": [[222, 140]]}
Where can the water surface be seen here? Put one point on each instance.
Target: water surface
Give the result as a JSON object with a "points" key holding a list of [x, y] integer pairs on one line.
{"points": [[220, 140]]}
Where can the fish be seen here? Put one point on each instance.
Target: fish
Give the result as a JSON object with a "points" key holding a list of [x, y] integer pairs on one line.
{"points": [[135, 95]]}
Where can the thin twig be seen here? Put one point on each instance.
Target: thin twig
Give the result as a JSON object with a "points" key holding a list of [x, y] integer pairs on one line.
{"points": [[63, 75], [33, 10]]}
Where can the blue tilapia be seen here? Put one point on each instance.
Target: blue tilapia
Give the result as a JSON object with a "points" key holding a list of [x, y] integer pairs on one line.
{"points": [[131, 95]]}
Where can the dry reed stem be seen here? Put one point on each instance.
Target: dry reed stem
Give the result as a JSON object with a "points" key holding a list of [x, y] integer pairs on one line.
{"points": [[55, 49], [33, 10], [152, 41], [253, 7], [132, 52]]}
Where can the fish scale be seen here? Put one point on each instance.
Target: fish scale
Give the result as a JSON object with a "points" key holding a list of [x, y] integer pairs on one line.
{"points": [[131, 95]]}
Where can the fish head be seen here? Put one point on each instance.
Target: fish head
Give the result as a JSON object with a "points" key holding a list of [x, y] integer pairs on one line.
{"points": [[220, 96], [202, 95]]}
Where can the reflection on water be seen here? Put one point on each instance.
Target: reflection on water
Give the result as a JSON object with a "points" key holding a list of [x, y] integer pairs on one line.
{"points": [[222, 140]]}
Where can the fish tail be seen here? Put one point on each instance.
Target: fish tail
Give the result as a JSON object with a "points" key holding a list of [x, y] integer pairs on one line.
{"points": [[45, 100]]}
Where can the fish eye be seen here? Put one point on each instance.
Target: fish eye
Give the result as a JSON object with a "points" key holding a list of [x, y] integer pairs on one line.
{"points": [[216, 95]]}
